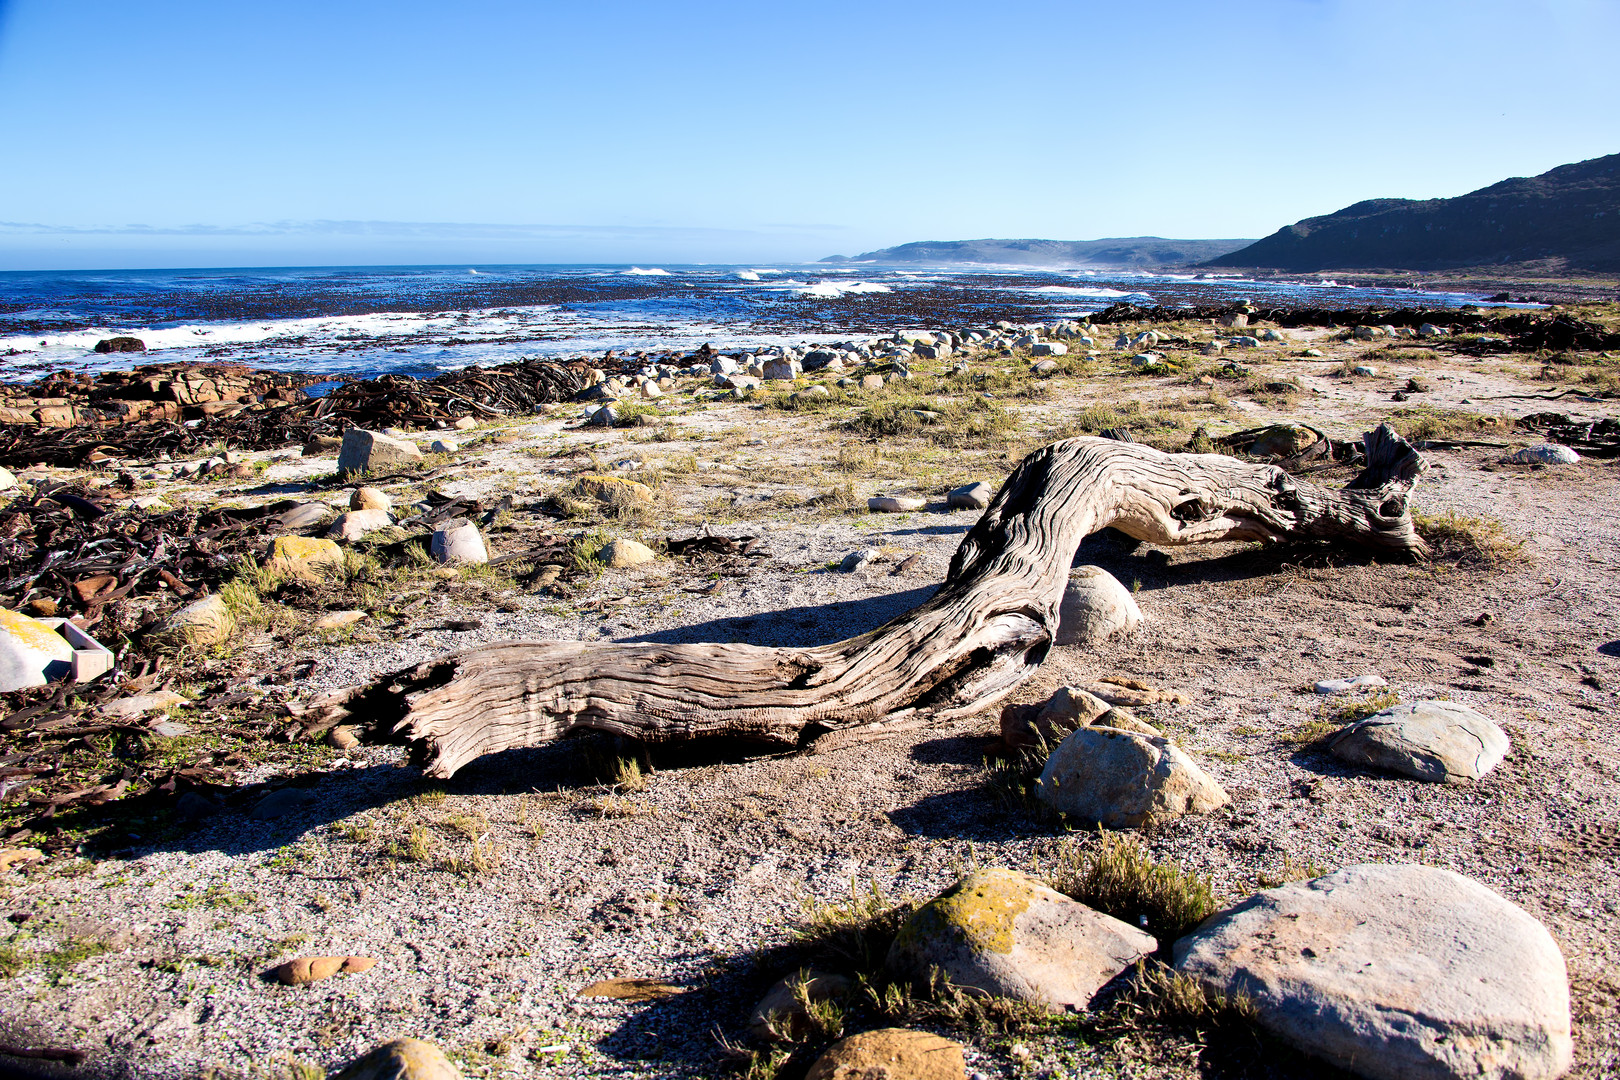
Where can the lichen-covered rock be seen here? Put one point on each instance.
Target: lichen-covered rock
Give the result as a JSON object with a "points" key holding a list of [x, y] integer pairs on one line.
{"points": [[1431, 740], [1121, 779], [890, 1054], [1006, 934], [31, 653], [1095, 607], [303, 554], [1282, 440], [402, 1059], [1394, 972]]}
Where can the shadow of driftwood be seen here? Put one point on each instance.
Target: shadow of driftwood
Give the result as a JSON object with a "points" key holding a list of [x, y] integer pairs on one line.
{"points": [[822, 624]]}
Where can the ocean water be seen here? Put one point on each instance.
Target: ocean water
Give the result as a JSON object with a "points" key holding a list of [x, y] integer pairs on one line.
{"points": [[422, 320]]}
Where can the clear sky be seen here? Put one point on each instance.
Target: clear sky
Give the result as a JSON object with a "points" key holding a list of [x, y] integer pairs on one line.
{"points": [[173, 132]]}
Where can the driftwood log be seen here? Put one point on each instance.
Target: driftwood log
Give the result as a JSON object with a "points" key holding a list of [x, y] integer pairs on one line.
{"points": [[987, 628]]}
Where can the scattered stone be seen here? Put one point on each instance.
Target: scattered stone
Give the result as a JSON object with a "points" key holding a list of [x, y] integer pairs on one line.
{"points": [[7, 480], [871, 382], [120, 344], [202, 623], [1431, 740], [464, 423], [370, 498], [1271, 335], [612, 490], [131, 708], [445, 446], [1234, 322], [1049, 348], [337, 620], [304, 555], [1120, 779], [890, 504], [1366, 333], [19, 856], [604, 417], [458, 541], [1396, 972], [1214, 348], [974, 496], [355, 524], [278, 804], [1313, 354], [1125, 720], [1246, 342], [320, 446], [1340, 686], [1043, 367], [1545, 454], [890, 1054], [368, 451], [1027, 727], [1145, 360], [1121, 691], [308, 969], [402, 1059], [780, 1015], [857, 559], [31, 653], [1282, 441], [1429, 330], [630, 990], [1008, 935], [304, 516], [1364, 370], [1095, 607], [650, 389], [343, 737], [618, 554]]}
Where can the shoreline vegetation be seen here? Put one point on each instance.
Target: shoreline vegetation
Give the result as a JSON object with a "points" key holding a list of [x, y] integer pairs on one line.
{"points": [[204, 872]]}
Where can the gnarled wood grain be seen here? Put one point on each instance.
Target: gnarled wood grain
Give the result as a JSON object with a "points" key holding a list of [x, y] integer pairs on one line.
{"points": [[987, 628]]}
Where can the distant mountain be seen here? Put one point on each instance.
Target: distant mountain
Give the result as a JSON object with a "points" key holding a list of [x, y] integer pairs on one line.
{"points": [[1564, 219], [1132, 252]]}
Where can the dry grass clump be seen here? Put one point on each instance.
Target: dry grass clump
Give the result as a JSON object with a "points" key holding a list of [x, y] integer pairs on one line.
{"points": [[854, 935], [1474, 542], [974, 422], [1117, 876], [1428, 422]]}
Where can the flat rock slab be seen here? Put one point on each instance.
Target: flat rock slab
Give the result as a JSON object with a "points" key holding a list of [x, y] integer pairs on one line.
{"points": [[1008, 935], [1398, 972], [1431, 740]]}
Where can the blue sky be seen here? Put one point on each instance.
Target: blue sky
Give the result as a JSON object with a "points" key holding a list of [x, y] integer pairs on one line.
{"points": [[168, 133]]}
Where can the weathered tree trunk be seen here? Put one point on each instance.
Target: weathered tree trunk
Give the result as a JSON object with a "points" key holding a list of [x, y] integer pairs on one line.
{"points": [[986, 629]]}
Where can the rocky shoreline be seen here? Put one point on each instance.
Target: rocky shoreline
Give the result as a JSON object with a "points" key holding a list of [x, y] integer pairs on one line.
{"points": [[202, 872]]}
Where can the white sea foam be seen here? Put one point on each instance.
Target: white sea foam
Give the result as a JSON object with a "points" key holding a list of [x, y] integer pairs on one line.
{"points": [[748, 275], [839, 288], [1075, 290], [636, 271]]}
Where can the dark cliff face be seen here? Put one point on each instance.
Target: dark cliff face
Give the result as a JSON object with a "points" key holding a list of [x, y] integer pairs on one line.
{"points": [[1567, 218]]}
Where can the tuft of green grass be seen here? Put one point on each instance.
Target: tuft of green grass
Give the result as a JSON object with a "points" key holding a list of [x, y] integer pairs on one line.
{"points": [[856, 934], [1116, 875], [1476, 542]]}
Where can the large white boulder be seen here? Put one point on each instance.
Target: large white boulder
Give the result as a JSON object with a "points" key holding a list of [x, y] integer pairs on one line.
{"points": [[1095, 607], [458, 541], [1396, 972], [31, 653]]}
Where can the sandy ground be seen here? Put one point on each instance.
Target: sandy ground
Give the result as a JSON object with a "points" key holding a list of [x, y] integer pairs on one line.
{"points": [[718, 854]]}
